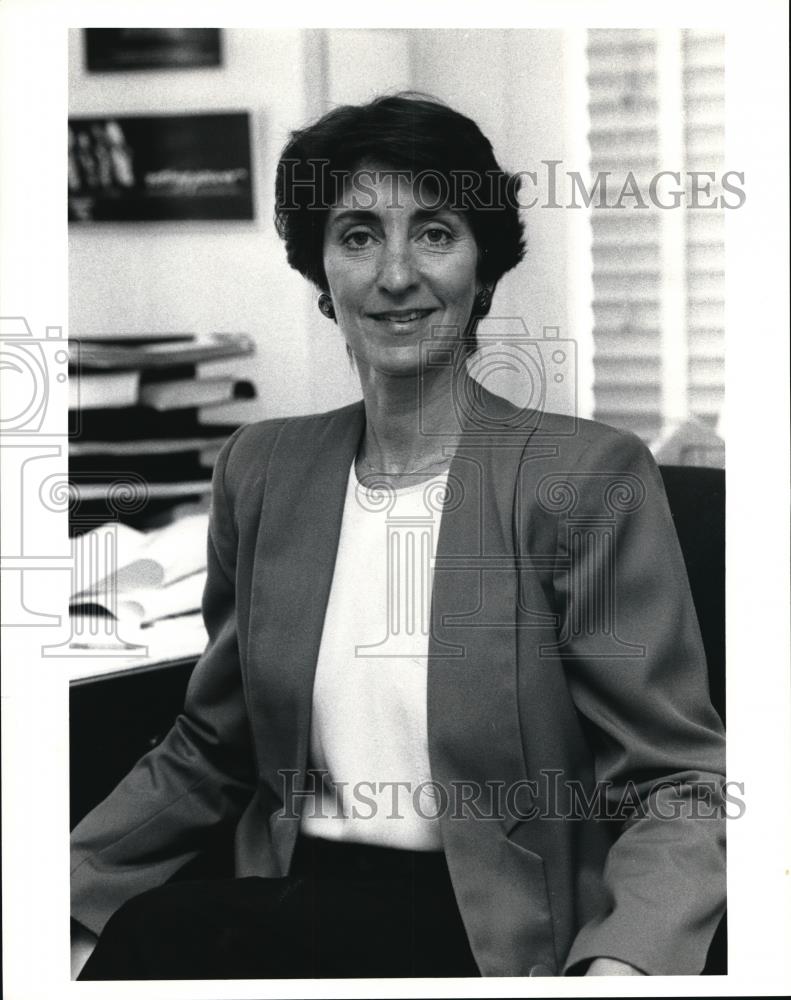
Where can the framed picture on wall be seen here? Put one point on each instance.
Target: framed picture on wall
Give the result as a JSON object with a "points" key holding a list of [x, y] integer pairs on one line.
{"points": [[160, 167], [151, 48]]}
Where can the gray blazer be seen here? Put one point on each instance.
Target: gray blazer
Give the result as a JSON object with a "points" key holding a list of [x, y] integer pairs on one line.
{"points": [[565, 669]]}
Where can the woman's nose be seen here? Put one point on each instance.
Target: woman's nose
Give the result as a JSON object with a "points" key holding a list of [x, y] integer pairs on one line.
{"points": [[397, 271]]}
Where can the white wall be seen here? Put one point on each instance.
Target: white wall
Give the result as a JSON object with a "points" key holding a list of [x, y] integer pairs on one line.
{"points": [[511, 83], [514, 84], [199, 276], [134, 278]]}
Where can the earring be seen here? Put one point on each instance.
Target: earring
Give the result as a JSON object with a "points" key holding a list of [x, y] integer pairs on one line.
{"points": [[483, 302], [326, 308]]}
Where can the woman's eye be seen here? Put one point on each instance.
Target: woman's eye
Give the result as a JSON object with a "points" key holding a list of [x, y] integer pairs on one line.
{"points": [[436, 237], [357, 240]]}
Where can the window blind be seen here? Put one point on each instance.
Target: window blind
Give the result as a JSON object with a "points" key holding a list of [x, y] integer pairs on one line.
{"points": [[631, 100], [704, 114]]}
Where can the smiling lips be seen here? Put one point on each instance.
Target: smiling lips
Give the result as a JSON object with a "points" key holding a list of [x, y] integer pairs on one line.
{"points": [[402, 317]]}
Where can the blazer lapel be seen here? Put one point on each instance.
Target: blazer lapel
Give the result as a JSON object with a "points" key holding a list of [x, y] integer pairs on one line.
{"points": [[473, 720], [295, 559]]}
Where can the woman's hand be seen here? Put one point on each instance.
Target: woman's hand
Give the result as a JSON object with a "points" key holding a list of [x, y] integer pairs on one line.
{"points": [[83, 942], [611, 967]]}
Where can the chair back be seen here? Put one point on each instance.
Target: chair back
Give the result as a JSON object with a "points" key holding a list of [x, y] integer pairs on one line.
{"points": [[697, 502]]}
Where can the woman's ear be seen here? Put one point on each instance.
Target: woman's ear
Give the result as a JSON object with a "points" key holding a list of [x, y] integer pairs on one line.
{"points": [[326, 308], [483, 301]]}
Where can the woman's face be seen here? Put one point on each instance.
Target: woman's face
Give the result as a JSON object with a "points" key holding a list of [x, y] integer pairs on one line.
{"points": [[396, 268]]}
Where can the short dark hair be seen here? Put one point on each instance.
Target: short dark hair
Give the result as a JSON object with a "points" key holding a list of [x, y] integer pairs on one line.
{"points": [[407, 131]]}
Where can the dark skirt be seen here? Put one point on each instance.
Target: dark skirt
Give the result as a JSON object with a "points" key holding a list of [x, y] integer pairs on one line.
{"points": [[344, 910]]}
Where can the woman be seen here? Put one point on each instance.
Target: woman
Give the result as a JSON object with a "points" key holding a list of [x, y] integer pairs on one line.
{"points": [[454, 700]]}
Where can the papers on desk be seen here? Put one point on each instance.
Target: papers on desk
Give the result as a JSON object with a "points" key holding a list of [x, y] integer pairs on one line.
{"points": [[129, 583], [132, 647], [123, 559], [147, 606]]}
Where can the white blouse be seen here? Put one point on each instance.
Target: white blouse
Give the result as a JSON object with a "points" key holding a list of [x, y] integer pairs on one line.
{"points": [[368, 729]]}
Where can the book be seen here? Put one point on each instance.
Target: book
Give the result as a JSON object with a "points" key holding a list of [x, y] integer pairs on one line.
{"points": [[142, 560], [90, 354], [100, 490], [161, 446], [140, 455], [139, 591], [147, 605], [111, 390], [178, 394], [144, 606]]}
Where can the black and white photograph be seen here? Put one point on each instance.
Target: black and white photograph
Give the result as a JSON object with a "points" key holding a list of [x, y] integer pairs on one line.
{"points": [[108, 49], [158, 167], [373, 601]]}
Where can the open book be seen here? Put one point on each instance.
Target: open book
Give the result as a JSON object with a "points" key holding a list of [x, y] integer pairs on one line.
{"points": [[142, 577]]}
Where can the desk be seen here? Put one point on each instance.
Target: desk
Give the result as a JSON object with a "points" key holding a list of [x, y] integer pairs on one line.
{"points": [[169, 641], [119, 709]]}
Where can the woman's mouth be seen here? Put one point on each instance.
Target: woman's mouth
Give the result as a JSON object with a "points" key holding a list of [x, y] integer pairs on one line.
{"points": [[402, 320]]}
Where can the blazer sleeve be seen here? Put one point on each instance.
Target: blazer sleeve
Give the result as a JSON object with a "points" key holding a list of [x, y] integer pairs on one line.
{"points": [[199, 778], [658, 742]]}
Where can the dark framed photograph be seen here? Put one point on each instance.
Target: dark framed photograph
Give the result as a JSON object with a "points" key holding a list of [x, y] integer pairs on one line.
{"points": [[151, 48], [160, 167]]}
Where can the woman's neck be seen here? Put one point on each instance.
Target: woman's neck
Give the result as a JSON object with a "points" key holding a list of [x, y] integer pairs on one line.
{"points": [[411, 422]]}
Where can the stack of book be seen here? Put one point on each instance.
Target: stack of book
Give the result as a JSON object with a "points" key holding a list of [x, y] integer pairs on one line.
{"points": [[143, 435]]}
